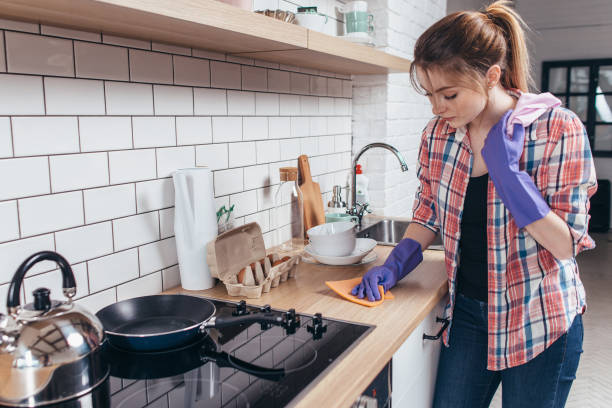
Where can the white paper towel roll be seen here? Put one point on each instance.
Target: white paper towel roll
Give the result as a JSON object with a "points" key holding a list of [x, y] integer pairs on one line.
{"points": [[195, 224]]}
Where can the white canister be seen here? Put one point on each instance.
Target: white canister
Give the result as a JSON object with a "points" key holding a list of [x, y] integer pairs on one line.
{"points": [[195, 224], [354, 6]]}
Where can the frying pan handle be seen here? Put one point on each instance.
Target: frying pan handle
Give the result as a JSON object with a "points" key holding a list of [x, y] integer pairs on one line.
{"points": [[222, 359], [223, 321], [68, 282]]}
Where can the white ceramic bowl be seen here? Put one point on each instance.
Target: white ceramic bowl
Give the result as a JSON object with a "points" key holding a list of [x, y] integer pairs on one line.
{"points": [[333, 239], [362, 248], [312, 21]]}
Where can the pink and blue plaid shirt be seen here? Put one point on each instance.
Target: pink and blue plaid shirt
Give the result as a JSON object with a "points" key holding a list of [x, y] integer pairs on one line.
{"points": [[533, 297]]}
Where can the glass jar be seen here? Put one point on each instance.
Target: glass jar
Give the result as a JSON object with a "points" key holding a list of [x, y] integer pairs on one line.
{"points": [[288, 215]]}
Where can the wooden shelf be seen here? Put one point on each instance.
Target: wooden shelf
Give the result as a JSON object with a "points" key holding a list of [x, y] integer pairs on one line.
{"points": [[211, 25]]}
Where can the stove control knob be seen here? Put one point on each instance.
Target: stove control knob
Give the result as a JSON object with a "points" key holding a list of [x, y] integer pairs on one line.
{"points": [[264, 325], [241, 309], [291, 321], [317, 329]]}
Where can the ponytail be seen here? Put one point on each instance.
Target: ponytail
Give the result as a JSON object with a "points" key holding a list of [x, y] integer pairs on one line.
{"points": [[468, 43]]}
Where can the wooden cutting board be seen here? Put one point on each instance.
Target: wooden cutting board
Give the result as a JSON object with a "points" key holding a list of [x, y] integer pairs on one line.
{"points": [[314, 213]]}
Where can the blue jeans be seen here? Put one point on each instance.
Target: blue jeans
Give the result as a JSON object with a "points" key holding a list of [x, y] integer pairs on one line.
{"points": [[464, 381]]}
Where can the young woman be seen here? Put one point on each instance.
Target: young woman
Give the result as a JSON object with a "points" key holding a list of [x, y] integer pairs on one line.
{"points": [[505, 178]]}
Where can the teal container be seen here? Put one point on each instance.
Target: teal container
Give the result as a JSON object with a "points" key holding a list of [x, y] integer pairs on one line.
{"points": [[358, 22]]}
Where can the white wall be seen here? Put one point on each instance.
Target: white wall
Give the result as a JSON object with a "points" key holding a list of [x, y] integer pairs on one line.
{"points": [[91, 127], [387, 109]]}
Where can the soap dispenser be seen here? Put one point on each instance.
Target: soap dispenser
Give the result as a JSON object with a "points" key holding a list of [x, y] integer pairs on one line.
{"points": [[336, 205]]}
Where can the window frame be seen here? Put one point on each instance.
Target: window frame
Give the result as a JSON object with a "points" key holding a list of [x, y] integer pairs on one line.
{"points": [[593, 65]]}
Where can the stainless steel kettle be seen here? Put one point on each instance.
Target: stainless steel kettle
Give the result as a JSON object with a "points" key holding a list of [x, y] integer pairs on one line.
{"points": [[50, 351]]}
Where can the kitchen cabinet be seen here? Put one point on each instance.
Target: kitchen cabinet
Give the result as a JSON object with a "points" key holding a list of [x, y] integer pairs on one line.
{"points": [[210, 25], [415, 364]]}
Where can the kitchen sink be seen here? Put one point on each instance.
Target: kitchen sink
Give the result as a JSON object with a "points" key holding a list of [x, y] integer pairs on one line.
{"points": [[390, 232]]}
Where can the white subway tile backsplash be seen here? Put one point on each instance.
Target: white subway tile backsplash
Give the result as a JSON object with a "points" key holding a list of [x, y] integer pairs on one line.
{"points": [[109, 202], [240, 103], [105, 133], [266, 104], [254, 78], [245, 203], [13, 253], [2, 59], [166, 223], [214, 156], [318, 125], [21, 95], [152, 67], [128, 99], [289, 149], [191, 71], [262, 218], [6, 140], [318, 165], [35, 54], [256, 176], [242, 154], [334, 87], [157, 255], [170, 159], [53, 281], [300, 83], [318, 85], [170, 49], [326, 106], [193, 130], [326, 145], [338, 124], [24, 177], [265, 198], [289, 105], [70, 33], [171, 277], [9, 221], [173, 100], [300, 126], [210, 101], [279, 81], [226, 129], [239, 60], [50, 213], [78, 171], [19, 26], [45, 135], [154, 195], [112, 270], [347, 89], [101, 61], [309, 105], [268, 151], [309, 146], [342, 106], [262, 63], [98, 301], [136, 230], [84, 243], [154, 131], [280, 127], [342, 143], [225, 75], [126, 42], [148, 285], [228, 181], [132, 165], [212, 55], [255, 128]]}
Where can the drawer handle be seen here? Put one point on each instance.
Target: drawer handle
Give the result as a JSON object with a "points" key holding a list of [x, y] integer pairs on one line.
{"points": [[437, 336]]}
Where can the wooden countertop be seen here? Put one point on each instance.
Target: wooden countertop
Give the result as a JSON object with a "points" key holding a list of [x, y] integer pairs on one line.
{"points": [[415, 297]]}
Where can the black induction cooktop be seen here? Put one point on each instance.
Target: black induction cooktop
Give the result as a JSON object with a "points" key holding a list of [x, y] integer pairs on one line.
{"points": [[241, 366]]}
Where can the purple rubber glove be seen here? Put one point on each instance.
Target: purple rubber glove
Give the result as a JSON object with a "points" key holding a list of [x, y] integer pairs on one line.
{"points": [[515, 187], [403, 259]]}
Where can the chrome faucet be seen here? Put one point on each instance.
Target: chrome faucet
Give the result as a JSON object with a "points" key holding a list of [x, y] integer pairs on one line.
{"points": [[353, 209]]}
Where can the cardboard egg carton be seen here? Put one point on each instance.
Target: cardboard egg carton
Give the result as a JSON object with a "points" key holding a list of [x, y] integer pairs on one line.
{"points": [[238, 258]]}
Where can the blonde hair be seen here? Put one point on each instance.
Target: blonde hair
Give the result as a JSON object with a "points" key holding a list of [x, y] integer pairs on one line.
{"points": [[467, 43]]}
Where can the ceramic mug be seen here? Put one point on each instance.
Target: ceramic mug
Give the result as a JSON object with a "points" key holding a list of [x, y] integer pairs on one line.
{"points": [[339, 217], [356, 17]]}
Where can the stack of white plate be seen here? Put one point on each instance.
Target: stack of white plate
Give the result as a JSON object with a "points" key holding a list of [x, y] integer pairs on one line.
{"points": [[359, 256]]}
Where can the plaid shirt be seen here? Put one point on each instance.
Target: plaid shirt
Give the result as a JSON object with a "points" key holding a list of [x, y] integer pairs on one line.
{"points": [[532, 297]]}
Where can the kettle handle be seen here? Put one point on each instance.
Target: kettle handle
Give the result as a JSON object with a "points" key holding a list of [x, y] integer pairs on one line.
{"points": [[68, 282]]}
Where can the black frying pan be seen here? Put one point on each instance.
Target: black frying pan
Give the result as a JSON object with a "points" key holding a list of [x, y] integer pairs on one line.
{"points": [[162, 322]]}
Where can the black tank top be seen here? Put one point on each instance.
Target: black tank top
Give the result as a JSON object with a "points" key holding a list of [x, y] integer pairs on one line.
{"points": [[472, 273]]}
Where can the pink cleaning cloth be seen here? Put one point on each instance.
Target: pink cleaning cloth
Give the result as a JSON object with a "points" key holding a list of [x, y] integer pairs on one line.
{"points": [[529, 107]]}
